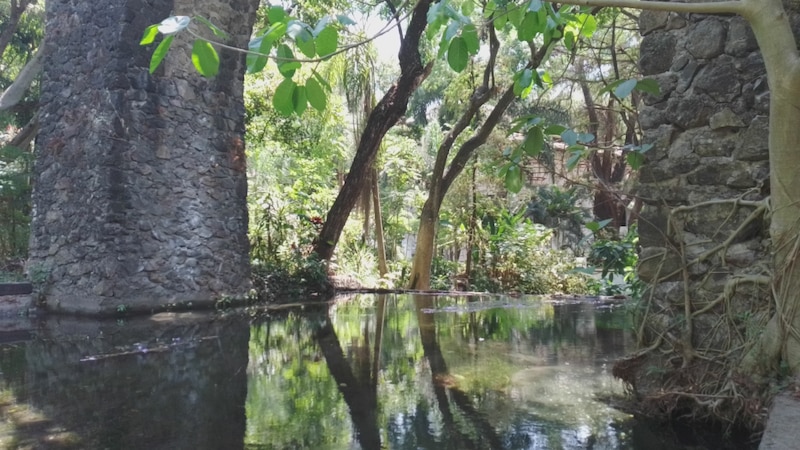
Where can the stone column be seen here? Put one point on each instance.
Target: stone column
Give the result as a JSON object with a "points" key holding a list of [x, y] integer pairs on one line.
{"points": [[705, 240], [140, 188]]}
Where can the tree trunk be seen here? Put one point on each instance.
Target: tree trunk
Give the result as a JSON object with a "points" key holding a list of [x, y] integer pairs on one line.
{"points": [[776, 40], [17, 7], [379, 243], [140, 186], [385, 115], [426, 236]]}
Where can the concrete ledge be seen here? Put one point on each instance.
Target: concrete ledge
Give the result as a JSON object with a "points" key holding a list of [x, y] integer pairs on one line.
{"points": [[783, 425]]}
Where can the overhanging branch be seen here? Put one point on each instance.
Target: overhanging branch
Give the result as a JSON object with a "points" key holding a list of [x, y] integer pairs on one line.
{"points": [[724, 7]]}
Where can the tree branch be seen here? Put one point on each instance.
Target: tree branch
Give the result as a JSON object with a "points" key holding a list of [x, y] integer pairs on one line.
{"points": [[724, 7]]}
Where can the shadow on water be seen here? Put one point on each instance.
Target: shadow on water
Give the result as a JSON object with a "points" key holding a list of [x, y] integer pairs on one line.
{"points": [[369, 372]]}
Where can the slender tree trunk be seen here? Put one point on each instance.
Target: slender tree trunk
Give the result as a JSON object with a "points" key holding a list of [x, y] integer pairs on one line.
{"points": [[379, 243], [387, 112], [426, 236]]}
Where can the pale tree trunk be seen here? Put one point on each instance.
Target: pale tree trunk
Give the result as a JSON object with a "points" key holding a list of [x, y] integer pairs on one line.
{"points": [[139, 199], [772, 29], [420, 277], [774, 34], [379, 242]]}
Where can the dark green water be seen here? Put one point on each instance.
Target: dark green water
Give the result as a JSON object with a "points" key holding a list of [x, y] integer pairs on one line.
{"points": [[394, 372]]}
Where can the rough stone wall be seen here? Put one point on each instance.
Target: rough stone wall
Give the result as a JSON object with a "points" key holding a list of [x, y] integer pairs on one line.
{"points": [[703, 231], [140, 188]]}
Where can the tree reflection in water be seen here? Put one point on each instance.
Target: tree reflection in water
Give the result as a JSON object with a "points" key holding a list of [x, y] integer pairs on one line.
{"points": [[369, 372], [411, 372]]}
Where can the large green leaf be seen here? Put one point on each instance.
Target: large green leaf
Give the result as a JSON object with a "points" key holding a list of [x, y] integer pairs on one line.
{"points": [[316, 95], [635, 160], [588, 25], [160, 52], [205, 58], [522, 82], [534, 142], [276, 14], [470, 35], [283, 98], [625, 88], [300, 100], [513, 180], [527, 29], [457, 54], [649, 86], [287, 65], [327, 41]]}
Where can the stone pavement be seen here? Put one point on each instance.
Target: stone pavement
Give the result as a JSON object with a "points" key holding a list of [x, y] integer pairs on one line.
{"points": [[783, 425]]}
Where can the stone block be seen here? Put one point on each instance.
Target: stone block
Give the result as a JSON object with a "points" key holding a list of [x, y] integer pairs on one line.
{"points": [[706, 39]]}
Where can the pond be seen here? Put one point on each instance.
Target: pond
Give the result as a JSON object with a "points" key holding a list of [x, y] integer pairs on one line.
{"points": [[368, 372]]}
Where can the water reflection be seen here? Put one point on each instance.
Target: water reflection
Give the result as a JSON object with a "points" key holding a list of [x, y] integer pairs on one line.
{"points": [[369, 372], [147, 384], [439, 373]]}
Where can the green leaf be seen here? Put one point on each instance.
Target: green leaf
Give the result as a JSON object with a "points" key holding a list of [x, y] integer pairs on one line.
{"points": [[523, 82], [327, 41], [635, 160], [500, 20], [205, 58], [625, 88], [649, 86], [322, 81], [588, 25], [174, 24], [595, 226], [283, 98], [276, 14], [214, 29], [457, 54], [286, 64], [574, 159], [555, 130], [307, 46], [316, 95], [160, 52], [300, 100], [569, 40], [569, 137], [256, 63], [489, 9], [534, 142], [345, 20], [470, 35], [527, 29], [513, 179], [275, 32], [515, 16], [467, 8], [149, 35]]}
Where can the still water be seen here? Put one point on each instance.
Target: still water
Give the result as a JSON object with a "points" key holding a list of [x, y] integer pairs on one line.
{"points": [[366, 372]]}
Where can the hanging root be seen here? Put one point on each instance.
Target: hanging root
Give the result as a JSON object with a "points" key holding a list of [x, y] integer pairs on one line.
{"points": [[693, 344]]}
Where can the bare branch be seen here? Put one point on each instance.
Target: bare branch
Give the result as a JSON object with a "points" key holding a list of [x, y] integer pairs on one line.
{"points": [[14, 93], [724, 7]]}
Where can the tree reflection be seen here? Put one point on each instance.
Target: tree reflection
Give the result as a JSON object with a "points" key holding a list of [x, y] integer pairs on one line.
{"points": [[359, 388], [442, 385]]}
